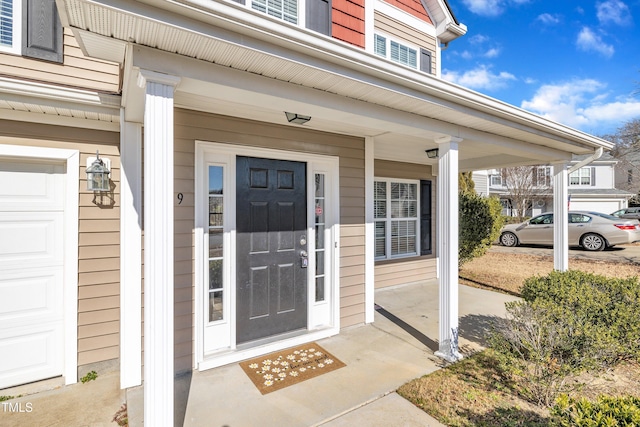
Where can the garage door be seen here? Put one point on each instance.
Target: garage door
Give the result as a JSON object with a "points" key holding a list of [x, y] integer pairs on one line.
{"points": [[31, 271]]}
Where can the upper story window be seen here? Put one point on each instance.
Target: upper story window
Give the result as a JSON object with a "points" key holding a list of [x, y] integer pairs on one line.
{"points": [[581, 177], [401, 53], [39, 21], [542, 176], [287, 10], [496, 180], [10, 29]]}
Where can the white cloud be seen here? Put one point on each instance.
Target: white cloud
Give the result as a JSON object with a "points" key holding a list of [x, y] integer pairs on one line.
{"points": [[615, 12], [479, 78], [490, 7], [478, 39], [492, 53], [548, 19], [582, 104], [590, 41]]}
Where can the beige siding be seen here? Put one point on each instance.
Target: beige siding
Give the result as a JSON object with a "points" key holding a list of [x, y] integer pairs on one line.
{"points": [[191, 126], [415, 269], [407, 33], [99, 236], [75, 71]]}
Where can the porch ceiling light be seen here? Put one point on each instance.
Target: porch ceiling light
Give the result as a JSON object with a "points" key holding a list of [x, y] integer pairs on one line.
{"points": [[98, 173], [297, 118], [432, 154]]}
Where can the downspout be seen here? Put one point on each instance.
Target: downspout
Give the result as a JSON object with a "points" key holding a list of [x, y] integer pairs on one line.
{"points": [[595, 156]]}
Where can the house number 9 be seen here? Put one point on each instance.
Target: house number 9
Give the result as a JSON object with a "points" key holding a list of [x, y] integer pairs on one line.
{"points": [[180, 197]]}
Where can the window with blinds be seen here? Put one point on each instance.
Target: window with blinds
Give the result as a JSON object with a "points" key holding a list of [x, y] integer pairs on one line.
{"points": [[398, 52], [396, 219], [287, 10], [10, 19]]}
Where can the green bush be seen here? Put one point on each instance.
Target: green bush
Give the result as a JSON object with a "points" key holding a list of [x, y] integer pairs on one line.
{"points": [[605, 412], [480, 221], [601, 314], [568, 322]]}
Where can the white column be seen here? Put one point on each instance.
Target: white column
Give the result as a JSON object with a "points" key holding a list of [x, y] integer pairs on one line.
{"points": [[369, 260], [130, 253], [560, 217], [448, 247], [158, 248]]}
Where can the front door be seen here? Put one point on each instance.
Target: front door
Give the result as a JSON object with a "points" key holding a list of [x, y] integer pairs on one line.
{"points": [[271, 284]]}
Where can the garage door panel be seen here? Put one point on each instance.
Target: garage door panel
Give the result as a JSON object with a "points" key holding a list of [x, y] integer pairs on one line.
{"points": [[31, 186], [30, 240], [30, 354], [30, 297]]}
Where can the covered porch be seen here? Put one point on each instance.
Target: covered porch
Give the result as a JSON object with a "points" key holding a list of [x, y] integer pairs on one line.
{"points": [[379, 357]]}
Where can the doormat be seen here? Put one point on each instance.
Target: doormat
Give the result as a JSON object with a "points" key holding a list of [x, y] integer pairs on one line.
{"points": [[287, 367]]}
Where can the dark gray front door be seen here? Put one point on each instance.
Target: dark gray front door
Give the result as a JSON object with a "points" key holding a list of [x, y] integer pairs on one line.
{"points": [[271, 293]]}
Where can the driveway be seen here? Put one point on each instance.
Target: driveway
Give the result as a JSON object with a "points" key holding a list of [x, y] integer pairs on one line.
{"points": [[621, 253]]}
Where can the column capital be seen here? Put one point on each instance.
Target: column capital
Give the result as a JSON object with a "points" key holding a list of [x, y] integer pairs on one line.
{"points": [[145, 76], [448, 138]]}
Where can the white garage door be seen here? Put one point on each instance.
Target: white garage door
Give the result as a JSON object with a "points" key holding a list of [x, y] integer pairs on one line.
{"points": [[31, 271]]}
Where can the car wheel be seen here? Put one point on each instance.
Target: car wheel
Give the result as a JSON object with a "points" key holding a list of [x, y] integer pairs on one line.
{"points": [[593, 242], [509, 239]]}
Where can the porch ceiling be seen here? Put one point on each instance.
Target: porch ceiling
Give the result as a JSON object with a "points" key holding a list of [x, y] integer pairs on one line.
{"points": [[260, 70]]}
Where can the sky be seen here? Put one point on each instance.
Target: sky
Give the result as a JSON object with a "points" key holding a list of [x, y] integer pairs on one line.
{"points": [[574, 62]]}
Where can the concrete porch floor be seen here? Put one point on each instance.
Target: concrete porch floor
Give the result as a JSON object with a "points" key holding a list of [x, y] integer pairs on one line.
{"points": [[380, 357]]}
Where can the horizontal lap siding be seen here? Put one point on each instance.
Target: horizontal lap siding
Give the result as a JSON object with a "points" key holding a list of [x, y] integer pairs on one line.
{"points": [[99, 235], [191, 126], [76, 70], [413, 7], [407, 33], [416, 269]]}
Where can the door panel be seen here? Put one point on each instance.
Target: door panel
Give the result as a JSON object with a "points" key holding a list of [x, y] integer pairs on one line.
{"points": [[271, 287]]}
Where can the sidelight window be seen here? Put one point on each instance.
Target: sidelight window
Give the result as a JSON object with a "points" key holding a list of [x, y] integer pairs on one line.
{"points": [[216, 246]]}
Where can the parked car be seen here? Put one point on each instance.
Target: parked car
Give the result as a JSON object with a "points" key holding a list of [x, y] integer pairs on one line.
{"points": [[592, 230], [629, 213]]}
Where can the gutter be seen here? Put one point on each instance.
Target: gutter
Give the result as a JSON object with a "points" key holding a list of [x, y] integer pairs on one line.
{"points": [[595, 156]]}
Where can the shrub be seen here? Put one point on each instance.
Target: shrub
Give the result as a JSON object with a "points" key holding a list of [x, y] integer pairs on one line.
{"points": [[604, 412], [480, 221], [569, 322]]}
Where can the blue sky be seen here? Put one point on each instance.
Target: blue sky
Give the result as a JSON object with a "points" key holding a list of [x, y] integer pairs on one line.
{"points": [[574, 62]]}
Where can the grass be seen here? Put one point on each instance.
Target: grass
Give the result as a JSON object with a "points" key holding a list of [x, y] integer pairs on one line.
{"points": [[473, 392]]}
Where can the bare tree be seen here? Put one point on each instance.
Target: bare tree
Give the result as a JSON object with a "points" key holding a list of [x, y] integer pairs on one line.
{"points": [[627, 151], [524, 185]]}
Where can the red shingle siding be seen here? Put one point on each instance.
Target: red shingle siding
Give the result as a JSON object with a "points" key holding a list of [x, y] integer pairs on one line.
{"points": [[348, 21], [414, 7]]}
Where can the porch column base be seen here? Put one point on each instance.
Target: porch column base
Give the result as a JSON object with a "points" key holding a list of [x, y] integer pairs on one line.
{"points": [[450, 356]]}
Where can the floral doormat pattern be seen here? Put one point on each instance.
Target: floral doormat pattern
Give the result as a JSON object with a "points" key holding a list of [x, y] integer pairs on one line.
{"points": [[284, 368]]}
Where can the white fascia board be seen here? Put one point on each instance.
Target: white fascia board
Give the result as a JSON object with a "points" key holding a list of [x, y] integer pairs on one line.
{"points": [[47, 91], [404, 17], [51, 119]]}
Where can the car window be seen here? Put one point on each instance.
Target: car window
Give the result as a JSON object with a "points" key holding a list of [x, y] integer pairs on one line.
{"points": [[575, 218], [606, 216], [542, 219], [618, 212]]}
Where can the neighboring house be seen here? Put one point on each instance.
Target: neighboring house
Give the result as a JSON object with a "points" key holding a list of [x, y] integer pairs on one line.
{"points": [[272, 163], [591, 187]]}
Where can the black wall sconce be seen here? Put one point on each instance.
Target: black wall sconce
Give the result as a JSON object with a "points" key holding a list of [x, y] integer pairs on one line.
{"points": [[432, 154], [297, 118]]}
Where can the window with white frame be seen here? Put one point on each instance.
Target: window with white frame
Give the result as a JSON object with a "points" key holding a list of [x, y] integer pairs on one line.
{"points": [[395, 51], [581, 177], [496, 180], [10, 26], [396, 218], [287, 10], [542, 176]]}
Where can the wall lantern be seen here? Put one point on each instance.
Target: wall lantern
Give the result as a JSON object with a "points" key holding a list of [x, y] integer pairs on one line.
{"points": [[98, 171], [297, 118], [432, 154]]}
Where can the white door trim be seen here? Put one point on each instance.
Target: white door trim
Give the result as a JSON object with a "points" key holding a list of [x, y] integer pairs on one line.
{"points": [[225, 153], [70, 287]]}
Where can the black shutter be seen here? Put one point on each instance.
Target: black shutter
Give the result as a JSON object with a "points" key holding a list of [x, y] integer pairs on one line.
{"points": [[593, 176], [425, 61], [319, 16], [41, 30], [425, 217], [239, 1]]}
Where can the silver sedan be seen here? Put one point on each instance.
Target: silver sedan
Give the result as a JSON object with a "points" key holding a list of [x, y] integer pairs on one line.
{"points": [[592, 230]]}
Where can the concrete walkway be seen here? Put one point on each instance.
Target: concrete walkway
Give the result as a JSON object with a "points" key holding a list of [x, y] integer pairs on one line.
{"points": [[379, 357]]}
